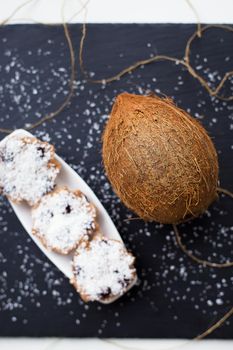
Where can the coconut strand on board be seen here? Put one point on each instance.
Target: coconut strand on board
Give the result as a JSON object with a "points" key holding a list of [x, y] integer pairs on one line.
{"points": [[185, 62], [189, 3], [199, 337], [191, 255], [213, 92], [67, 99], [205, 263]]}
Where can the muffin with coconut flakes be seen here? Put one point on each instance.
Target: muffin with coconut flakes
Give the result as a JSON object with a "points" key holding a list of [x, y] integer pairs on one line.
{"points": [[27, 169], [102, 269], [62, 219]]}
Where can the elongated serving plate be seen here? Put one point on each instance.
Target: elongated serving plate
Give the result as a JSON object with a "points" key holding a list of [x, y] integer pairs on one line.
{"points": [[67, 177]]}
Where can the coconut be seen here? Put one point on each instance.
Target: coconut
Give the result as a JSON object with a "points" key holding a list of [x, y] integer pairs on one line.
{"points": [[160, 161]]}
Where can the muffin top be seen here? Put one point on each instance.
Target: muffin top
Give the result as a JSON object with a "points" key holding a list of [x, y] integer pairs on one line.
{"points": [[62, 219], [103, 269], [27, 169]]}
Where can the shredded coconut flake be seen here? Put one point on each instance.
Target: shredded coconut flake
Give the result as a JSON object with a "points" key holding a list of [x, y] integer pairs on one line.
{"points": [[26, 169], [102, 269], [62, 219]]}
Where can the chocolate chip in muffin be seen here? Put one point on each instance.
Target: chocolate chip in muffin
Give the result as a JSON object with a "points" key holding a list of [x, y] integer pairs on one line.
{"points": [[68, 209], [105, 294], [41, 150]]}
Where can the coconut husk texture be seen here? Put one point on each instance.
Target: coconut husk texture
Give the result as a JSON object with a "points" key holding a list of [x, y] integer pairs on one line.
{"points": [[160, 161]]}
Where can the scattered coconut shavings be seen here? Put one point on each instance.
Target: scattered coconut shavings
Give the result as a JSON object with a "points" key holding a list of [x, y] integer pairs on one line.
{"points": [[102, 269], [27, 169], [62, 219]]}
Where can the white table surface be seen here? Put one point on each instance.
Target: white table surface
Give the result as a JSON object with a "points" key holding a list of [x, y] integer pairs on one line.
{"points": [[148, 11], [153, 11]]}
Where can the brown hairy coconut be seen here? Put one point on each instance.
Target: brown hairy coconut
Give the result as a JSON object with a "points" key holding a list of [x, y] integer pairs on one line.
{"points": [[159, 160]]}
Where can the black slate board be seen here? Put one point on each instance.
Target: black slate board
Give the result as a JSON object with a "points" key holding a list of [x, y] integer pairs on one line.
{"points": [[175, 297]]}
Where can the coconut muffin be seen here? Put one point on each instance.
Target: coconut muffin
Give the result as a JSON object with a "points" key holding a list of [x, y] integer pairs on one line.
{"points": [[27, 169], [62, 219], [102, 269]]}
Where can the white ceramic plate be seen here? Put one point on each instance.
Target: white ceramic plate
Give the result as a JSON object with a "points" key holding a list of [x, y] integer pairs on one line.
{"points": [[67, 177]]}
